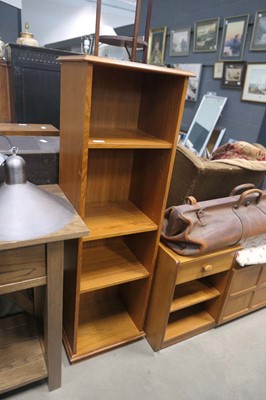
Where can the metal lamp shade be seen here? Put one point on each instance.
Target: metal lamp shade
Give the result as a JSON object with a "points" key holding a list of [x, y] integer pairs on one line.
{"points": [[26, 211]]}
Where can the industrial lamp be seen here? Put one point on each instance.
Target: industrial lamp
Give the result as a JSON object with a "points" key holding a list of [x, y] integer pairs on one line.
{"points": [[26, 210]]}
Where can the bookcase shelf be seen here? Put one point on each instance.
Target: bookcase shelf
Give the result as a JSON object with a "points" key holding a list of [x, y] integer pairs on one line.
{"points": [[191, 293], [187, 321], [109, 263], [108, 324], [118, 129], [125, 138], [116, 218]]}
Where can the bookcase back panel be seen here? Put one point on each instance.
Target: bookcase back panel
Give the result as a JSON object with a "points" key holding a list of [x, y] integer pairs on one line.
{"points": [[139, 176], [109, 175], [158, 117], [116, 98], [144, 247], [149, 182]]}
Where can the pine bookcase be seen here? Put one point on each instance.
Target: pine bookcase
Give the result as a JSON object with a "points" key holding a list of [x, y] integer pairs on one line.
{"points": [[118, 132]]}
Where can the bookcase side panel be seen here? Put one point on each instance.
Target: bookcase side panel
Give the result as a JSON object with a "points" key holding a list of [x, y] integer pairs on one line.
{"points": [[76, 81]]}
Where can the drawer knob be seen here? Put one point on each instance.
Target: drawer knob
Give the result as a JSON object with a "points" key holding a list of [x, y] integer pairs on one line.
{"points": [[207, 268]]}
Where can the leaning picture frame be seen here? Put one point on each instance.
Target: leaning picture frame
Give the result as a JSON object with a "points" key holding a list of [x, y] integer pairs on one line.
{"points": [[193, 82], [233, 38], [254, 88], [206, 35], [180, 41], [233, 74], [156, 47], [258, 38]]}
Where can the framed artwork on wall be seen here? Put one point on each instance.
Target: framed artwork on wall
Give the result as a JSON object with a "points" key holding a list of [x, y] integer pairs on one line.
{"points": [[233, 38], [180, 41], [233, 74], [206, 35], [255, 83], [156, 46], [218, 70], [193, 83], [258, 39]]}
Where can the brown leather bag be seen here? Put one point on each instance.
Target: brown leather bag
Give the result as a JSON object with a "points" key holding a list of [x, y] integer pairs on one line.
{"points": [[209, 225]]}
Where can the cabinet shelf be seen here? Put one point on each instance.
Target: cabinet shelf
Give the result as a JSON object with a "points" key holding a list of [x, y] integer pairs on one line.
{"points": [[22, 362], [192, 293], [109, 263], [110, 219], [111, 138], [186, 322], [104, 325]]}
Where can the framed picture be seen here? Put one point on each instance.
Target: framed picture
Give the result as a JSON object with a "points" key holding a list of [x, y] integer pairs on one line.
{"points": [[180, 41], [156, 46], [255, 83], [193, 83], [206, 35], [233, 74], [258, 39], [218, 69], [233, 39]]}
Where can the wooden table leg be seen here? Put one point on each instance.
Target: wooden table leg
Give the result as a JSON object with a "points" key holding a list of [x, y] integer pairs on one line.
{"points": [[53, 313]]}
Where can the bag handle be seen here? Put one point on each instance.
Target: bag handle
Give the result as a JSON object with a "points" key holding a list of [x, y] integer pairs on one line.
{"points": [[241, 188], [190, 200], [246, 193]]}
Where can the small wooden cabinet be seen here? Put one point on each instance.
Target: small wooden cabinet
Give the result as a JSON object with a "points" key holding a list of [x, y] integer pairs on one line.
{"points": [[30, 345], [246, 292], [119, 125], [186, 295]]}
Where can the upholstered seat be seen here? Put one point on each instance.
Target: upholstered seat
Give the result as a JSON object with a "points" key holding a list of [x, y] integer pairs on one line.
{"points": [[205, 179]]}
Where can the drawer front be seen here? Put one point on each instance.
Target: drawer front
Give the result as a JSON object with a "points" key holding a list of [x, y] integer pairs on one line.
{"points": [[22, 264], [204, 266]]}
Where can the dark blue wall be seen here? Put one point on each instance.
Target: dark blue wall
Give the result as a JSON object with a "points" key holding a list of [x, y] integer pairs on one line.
{"points": [[10, 22], [242, 119]]}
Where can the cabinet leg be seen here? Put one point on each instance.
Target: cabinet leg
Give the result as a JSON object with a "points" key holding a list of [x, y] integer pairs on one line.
{"points": [[53, 313]]}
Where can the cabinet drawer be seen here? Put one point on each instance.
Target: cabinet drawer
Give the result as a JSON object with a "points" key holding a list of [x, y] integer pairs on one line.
{"points": [[22, 264], [204, 266]]}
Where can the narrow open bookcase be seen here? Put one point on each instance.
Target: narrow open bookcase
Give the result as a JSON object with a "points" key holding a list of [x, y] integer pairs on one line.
{"points": [[118, 134]]}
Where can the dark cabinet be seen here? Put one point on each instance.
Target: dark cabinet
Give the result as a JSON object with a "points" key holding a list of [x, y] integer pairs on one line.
{"points": [[35, 84]]}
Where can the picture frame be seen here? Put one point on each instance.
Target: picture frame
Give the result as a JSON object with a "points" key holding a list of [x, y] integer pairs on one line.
{"points": [[233, 38], [193, 82], [233, 74], [180, 41], [218, 68], [254, 88], [206, 35], [156, 46], [258, 38]]}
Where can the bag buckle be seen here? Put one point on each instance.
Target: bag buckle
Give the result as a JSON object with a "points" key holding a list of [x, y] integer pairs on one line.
{"points": [[200, 215]]}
